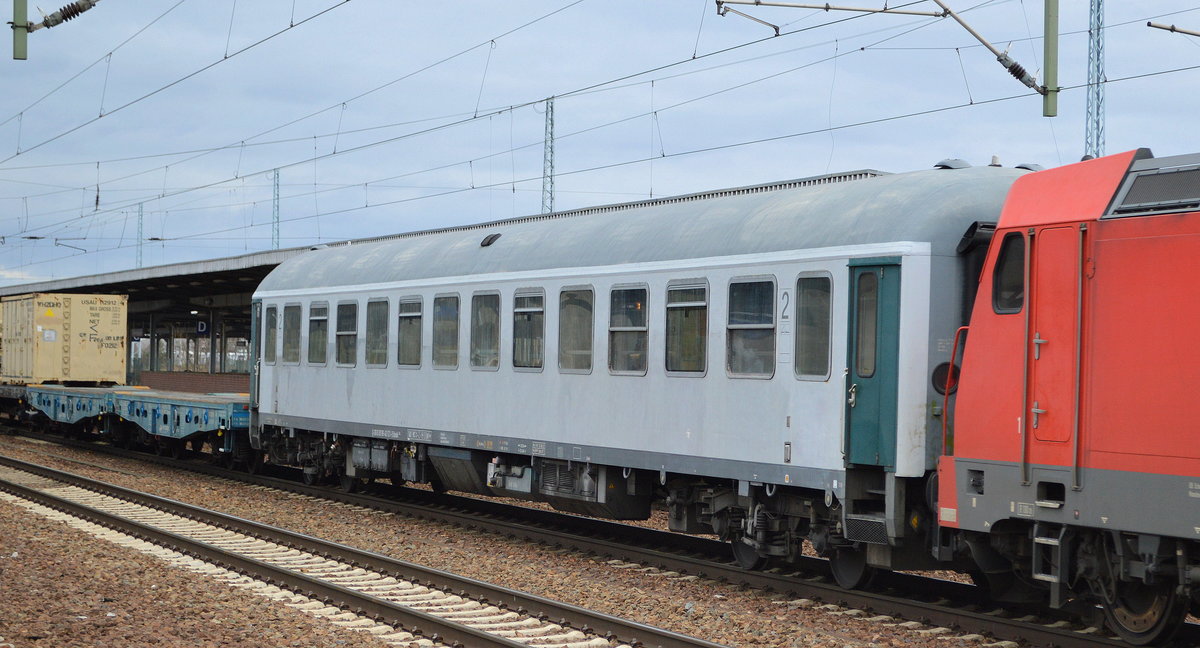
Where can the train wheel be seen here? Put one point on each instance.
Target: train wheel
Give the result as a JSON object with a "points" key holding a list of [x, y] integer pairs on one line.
{"points": [[349, 484], [747, 557], [309, 478], [198, 445], [254, 465], [176, 448], [850, 568], [1145, 614]]}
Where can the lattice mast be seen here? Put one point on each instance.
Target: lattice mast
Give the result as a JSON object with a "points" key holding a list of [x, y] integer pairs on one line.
{"points": [[548, 161], [1093, 142]]}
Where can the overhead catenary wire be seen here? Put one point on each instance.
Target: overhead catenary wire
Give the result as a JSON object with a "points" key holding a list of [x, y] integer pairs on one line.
{"points": [[709, 149]]}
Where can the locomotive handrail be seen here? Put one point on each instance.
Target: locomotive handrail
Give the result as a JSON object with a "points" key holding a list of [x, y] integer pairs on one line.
{"points": [[950, 377]]}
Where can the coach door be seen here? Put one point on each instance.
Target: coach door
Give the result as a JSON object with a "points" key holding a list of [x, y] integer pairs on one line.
{"points": [[1053, 346], [872, 364]]}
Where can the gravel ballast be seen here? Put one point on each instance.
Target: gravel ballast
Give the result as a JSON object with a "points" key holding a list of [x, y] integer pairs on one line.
{"points": [[714, 611]]}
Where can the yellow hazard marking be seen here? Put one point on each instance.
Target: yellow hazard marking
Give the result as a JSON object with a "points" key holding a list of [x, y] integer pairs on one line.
{"points": [[49, 313]]}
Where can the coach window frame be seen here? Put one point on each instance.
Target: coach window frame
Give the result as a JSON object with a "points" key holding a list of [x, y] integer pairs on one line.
{"points": [[499, 336], [270, 334], [669, 308], [433, 338], [370, 340], [591, 337], [401, 318], [297, 310], [309, 335], [338, 333], [644, 329], [796, 337], [540, 335], [730, 327], [999, 275]]}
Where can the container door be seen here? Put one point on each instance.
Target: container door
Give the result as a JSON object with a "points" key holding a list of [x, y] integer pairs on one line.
{"points": [[873, 365]]}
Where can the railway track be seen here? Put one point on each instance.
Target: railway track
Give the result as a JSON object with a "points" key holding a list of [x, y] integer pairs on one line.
{"points": [[895, 597], [396, 600]]}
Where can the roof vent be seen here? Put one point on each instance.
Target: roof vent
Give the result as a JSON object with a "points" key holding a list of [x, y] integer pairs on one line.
{"points": [[952, 163], [1030, 166], [489, 239]]}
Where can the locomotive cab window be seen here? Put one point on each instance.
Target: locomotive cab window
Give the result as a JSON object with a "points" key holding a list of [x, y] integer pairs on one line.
{"points": [[628, 332], [687, 328], [291, 334], [813, 327], [445, 332], [271, 335], [318, 333], [575, 311], [529, 330], [485, 331], [347, 334], [750, 333], [1008, 278], [408, 335]]}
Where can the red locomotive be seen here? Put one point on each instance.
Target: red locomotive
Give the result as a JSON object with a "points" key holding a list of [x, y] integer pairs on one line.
{"points": [[1073, 463]]}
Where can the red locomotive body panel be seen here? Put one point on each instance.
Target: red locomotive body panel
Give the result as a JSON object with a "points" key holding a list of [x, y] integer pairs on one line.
{"points": [[1101, 343]]}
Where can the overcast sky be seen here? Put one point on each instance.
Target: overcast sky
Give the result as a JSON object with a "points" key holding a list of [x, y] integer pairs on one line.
{"points": [[385, 117]]}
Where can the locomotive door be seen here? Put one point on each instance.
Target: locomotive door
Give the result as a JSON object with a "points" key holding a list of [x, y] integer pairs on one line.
{"points": [[874, 342], [1052, 345]]}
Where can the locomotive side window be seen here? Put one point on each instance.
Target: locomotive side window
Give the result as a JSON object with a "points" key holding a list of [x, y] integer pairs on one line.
{"points": [[1008, 280], [445, 332], [408, 336], [271, 335], [687, 328], [485, 331], [318, 333], [575, 315], [377, 332], [628, 333], [347, 333], [529, 330], [750, 336], [291, 334], [812, 327]]}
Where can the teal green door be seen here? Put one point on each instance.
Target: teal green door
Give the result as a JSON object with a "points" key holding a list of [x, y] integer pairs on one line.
{"points": [[873, 365]]}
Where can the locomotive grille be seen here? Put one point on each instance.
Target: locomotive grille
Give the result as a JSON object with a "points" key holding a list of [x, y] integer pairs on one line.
{"points": [[1160, 191]]}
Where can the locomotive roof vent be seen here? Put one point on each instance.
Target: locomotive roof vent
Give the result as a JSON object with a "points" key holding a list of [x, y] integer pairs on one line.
{"points": [[489, 239], [952, 163], [1029, 166], [1174, 188]]}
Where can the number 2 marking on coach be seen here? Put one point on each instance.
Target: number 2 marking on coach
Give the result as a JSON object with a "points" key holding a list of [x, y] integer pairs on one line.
{"points": [[785, 299]]}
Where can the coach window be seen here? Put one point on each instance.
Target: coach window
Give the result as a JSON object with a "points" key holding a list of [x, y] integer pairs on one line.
{"points": [[408, 335], [1008, 281], [270, 335], [445, 332], [485, 331], [318, 333], [377, 332], [750, 337], [628, 332], [529, 330], [813, 327], [687, 328], [867, 310], [347, 333], [575, 322], [291, 334]]}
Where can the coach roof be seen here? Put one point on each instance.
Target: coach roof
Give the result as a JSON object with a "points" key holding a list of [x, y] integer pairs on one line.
{"points": [[934, 206]]}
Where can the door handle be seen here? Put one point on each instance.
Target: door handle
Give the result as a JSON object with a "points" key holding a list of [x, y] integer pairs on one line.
{"points": [[853, 395]]}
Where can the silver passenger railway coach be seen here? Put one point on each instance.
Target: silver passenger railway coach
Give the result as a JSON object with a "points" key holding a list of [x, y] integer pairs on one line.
{"points": [[767, 361]]}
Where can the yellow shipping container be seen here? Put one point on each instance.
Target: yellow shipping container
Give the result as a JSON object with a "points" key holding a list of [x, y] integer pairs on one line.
{"points": [[59, 337]]}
